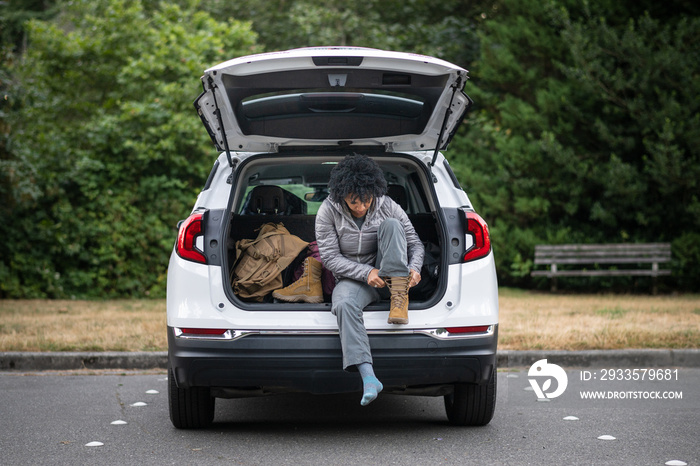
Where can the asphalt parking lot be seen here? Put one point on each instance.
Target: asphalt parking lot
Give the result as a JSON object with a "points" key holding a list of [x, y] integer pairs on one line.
{"points": [[121, 417]]}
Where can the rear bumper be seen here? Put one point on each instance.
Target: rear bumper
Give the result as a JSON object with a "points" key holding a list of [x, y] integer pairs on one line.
{"points": [[264, 364]]}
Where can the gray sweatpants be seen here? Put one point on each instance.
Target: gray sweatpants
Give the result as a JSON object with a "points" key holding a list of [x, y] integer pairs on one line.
{"points": [[350, 297]]}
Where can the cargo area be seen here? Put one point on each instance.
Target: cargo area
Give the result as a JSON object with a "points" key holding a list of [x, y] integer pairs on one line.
{"points": [[290, 194]]}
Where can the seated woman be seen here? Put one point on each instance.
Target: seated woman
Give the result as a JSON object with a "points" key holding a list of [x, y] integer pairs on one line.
{"points": [[370, 245]]}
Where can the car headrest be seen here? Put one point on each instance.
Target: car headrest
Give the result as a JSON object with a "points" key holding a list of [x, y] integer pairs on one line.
{"points": [[272, 200], [398, 194]]}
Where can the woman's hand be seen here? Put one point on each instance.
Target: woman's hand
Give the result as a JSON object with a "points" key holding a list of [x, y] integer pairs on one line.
{"points": [[375, 280], [415, 278]]}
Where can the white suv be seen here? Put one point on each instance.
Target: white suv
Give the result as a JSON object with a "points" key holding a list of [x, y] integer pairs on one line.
{"points": [[284, 119]]}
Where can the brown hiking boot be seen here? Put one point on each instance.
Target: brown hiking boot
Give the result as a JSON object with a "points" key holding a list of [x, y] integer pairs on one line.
{"points": [[307, 289], [399, 299]]}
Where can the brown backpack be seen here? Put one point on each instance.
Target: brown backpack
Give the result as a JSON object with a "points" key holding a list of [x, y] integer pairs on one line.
{"points": [[257, 269]]}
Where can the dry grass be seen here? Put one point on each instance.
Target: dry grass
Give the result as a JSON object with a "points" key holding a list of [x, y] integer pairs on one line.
{"points": [[528, 321], [576, 322], [47, 325]]}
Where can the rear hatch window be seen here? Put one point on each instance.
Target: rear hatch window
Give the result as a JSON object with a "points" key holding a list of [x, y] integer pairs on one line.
{"points": [[333, 112]]}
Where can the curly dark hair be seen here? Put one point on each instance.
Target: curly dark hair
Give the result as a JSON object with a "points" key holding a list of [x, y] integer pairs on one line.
{"points": [[359, 175]]}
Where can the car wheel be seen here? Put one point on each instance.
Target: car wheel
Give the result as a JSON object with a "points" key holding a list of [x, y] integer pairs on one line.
{"points": [[472, 404], [190, 408]]}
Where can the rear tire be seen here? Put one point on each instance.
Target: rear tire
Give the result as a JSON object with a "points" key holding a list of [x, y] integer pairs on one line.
{"points": [[472, 404], [190, 408]]}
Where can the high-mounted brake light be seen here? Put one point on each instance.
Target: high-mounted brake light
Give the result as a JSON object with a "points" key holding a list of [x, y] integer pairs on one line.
{"points": [[187, 239], [479, 231]]}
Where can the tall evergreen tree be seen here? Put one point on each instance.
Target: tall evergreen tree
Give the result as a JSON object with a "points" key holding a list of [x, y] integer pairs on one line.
{"points": [[585, 128]]}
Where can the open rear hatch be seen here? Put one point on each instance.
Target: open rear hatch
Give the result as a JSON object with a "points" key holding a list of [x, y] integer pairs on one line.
{"points": [[332, 97]]}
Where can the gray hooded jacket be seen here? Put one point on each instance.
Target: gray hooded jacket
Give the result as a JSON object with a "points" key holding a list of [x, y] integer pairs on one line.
{"points": [[349, 252]]}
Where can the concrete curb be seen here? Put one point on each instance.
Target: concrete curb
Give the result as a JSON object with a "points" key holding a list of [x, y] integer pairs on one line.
{"points": [[614, 359], [74, 360]]}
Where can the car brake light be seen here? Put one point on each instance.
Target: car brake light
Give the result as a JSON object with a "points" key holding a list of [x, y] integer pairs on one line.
{"points": [[203, 331], [187, 236], [475, 329], [479, 231]]}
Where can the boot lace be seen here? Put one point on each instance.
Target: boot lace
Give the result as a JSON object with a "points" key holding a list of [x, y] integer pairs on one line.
{"points": [[399, 288]]}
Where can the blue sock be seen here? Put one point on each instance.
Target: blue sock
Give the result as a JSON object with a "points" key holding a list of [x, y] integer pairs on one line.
{"points": [[372, 385]]}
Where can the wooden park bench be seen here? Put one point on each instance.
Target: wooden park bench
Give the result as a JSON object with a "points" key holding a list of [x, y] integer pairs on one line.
{"points": [[626, 255]]}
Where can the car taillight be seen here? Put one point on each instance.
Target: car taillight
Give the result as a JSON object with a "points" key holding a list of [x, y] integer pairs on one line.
{"points": [[475, 329], [187, 237], [479, 231]]}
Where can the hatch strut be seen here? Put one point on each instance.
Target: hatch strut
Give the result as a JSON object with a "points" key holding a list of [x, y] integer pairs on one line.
{"points": [[212, 86], [448, 112]]}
